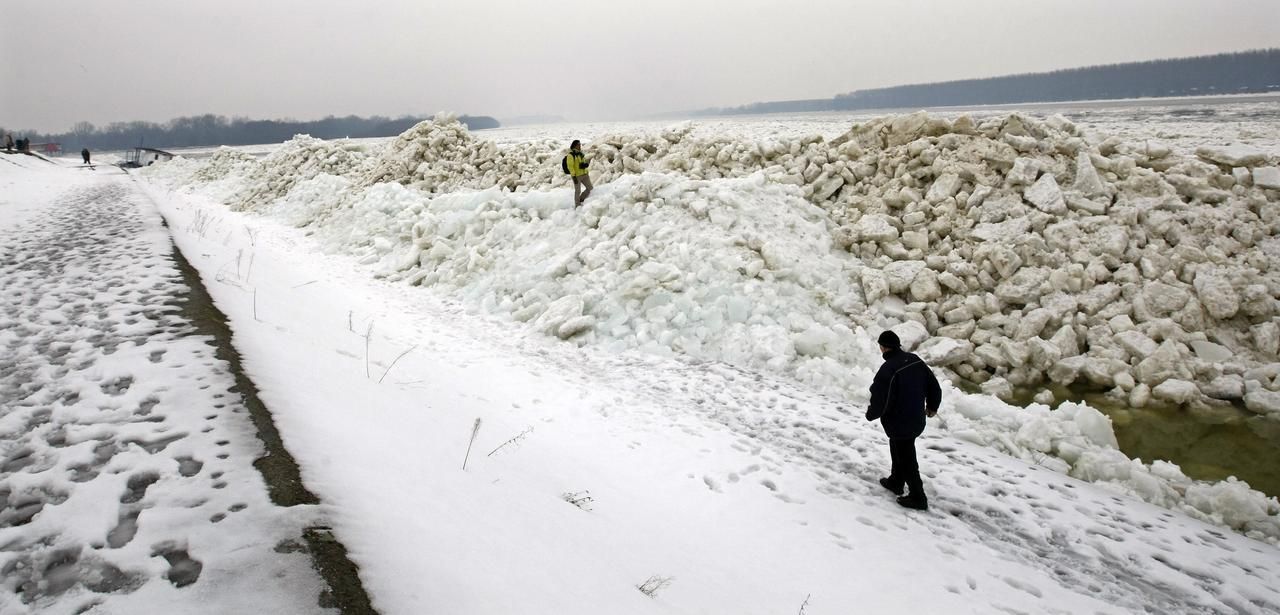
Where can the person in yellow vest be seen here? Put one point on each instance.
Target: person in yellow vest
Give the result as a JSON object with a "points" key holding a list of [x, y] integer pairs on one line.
{"points": [[576, 163]]}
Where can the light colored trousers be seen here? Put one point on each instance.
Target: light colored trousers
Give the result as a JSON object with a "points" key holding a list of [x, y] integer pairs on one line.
{"points": [[578, 194]]}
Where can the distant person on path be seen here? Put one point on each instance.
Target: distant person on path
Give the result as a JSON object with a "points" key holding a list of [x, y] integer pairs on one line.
{"points": [[84, 153], [576, 164], [8, 143], [903, 393]]}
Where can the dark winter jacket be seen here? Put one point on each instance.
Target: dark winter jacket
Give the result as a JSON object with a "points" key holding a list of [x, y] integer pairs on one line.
{"points": [[904, 389]]}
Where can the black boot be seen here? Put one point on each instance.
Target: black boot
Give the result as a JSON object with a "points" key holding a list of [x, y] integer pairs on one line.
{"points": [[896, 488], [915, 501]]}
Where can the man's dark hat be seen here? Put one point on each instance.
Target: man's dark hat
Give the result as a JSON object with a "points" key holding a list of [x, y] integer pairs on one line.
{"points": [[889, 339]]}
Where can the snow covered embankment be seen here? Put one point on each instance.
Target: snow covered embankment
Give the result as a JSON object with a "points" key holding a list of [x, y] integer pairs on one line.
{"points": [[1148, 274]]}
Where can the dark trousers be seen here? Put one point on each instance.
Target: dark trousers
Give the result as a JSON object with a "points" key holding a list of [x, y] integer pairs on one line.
{"points": [[906, 471]]}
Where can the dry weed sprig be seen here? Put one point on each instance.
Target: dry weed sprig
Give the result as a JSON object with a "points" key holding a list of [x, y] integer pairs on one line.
{"points": [[474, 431], [518, 437], [393, 363]]}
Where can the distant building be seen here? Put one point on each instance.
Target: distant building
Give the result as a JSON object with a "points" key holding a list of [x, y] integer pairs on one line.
{"points": [[49, 149], [144, 156]]}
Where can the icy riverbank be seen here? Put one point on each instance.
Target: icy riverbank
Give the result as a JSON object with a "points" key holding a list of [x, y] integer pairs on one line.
{"points": [[1012, 247], [592, 473]]}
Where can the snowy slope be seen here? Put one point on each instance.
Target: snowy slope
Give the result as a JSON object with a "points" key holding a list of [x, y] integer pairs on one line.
{"points": [[752, 491], [736, 252], [749, 492]]}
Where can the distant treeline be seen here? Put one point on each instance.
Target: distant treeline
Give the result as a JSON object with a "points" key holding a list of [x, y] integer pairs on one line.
{"points": [[219, 130], [1246, 72]]}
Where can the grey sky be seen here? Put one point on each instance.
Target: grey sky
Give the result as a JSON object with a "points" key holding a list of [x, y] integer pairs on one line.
{"points": [[101, 61]]}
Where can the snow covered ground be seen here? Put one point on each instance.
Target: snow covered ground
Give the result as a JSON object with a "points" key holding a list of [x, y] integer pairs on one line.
{"points": [[709, 406], [750, 493], [126, 476], [662, 390]]}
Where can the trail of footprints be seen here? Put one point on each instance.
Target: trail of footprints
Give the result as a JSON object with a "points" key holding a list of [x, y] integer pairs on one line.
{"points": [[79, 325], [1085, 543], [1082, 542]]}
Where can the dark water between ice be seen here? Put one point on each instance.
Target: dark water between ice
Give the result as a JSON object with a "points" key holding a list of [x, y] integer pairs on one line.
{"points": [[1243, 445], [1207, 445]]}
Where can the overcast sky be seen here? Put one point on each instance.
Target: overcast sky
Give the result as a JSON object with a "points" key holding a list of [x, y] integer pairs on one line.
{"points": [[68, 60]]}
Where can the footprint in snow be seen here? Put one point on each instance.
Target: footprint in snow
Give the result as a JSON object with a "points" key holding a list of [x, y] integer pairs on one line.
{"points": [[136, 487], [1024, 586], [188, 466], [124, 531], [788, 499], [119, 386], [17, 460], [147, 405], [183, 569], [871, 523]]}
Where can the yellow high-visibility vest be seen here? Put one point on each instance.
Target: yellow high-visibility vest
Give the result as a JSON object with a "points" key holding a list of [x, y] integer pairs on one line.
{"points": [[577, 164]]}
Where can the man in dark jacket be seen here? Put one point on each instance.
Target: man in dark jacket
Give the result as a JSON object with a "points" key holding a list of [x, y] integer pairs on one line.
{"points": [[903, 393]]}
